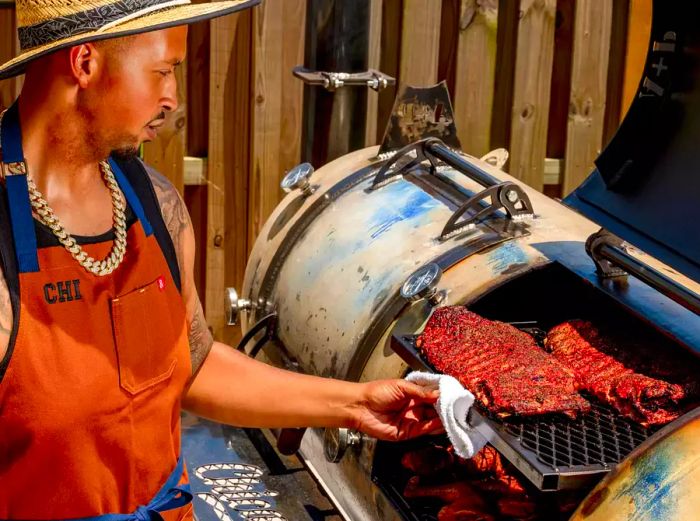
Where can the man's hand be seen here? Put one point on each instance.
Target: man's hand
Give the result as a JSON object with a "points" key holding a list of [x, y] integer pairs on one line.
{"points": [[397, 410]]}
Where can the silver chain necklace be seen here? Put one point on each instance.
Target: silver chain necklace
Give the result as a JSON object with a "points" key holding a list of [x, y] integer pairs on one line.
{"points": [[48, 217]]}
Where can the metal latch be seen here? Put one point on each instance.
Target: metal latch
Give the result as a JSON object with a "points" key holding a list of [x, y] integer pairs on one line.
{"points": [[337, 441], [234, 305], [332, 81]]}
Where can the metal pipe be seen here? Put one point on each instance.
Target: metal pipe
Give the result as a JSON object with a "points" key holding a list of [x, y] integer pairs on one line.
{"points": [[683, 296], [456, 161], [337, 40]]}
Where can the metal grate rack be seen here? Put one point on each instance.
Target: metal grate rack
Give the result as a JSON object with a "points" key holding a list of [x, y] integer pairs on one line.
{"points": [[553, 452], [599, 437]]}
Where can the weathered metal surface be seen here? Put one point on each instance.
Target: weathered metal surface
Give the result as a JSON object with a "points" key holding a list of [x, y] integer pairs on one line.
{"points": [[657, 482], [359, 249], [234, 480]]}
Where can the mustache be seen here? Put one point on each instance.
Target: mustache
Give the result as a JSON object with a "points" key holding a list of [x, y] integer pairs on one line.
{"points": [[160, 117]]}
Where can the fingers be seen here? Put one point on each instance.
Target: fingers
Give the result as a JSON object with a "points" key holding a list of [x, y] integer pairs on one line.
{"points": [[426, 428], [419, 393]]}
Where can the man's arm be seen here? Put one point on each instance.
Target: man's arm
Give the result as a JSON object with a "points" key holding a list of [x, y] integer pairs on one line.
{"points": [[231, 388], [5, 317]]}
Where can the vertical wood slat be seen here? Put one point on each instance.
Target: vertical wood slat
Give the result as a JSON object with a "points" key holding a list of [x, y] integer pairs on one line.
{"points": [[533, 75], [475, 74], [616, 69], [506, 43], [638, 35], [8, 46], [165, 153], [561, 83], [198, 56], [229, 121], [373, 62], [389, 60], [278, 43], [267, 113], [589, 80], [294, 31], [420, 42]]}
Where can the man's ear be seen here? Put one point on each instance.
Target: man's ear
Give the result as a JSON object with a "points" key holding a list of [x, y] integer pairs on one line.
{"points": [[84, 63]]}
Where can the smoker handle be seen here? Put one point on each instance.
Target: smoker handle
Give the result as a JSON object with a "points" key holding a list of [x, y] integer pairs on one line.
{"points": [[267, 323], [432, 149], [608, 253], [496, 195]]}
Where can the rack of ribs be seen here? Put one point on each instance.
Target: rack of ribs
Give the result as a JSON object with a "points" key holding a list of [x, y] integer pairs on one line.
{"points": [[621, 377], [504, 367], [463, 502]]}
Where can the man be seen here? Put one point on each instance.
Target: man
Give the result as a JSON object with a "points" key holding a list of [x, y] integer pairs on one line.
{"points": [[102, 336]]}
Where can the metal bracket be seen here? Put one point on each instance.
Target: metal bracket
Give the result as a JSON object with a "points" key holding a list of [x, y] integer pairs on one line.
{"points": [[604, 268], [413, 155], [266, 324], [506, 195], [332, 81]]}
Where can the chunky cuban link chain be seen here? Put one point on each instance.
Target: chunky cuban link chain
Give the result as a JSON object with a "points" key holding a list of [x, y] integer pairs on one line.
{"points": [[48, 218], [116, 255]]}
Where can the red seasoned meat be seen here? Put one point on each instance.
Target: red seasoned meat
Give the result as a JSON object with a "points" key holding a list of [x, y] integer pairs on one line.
{"points": [[428, 461], [504, 367], [622, 377], [449, 492], [463, 511], [486, 461]]}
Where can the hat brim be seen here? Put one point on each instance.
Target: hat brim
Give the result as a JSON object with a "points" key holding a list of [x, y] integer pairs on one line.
{"points": [[169, 17]]}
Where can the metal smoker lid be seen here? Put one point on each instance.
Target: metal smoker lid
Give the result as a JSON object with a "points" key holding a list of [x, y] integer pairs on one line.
{"points": [[646, 188]]}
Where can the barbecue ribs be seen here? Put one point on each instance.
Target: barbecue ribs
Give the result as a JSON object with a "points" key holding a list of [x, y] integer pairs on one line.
{"points": [[622, 378], [428, 461], [505, 368]]}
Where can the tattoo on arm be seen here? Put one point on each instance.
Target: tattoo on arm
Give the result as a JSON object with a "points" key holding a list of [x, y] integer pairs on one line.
{"points": [[174, 211], [201, 339], [177, 221]]}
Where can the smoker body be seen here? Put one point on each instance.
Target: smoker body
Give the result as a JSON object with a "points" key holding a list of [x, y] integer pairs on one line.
{"points": [[331, 265], [322, 290]]}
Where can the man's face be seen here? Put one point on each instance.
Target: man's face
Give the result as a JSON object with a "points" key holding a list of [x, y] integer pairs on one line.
{"points": [[134, 89]]}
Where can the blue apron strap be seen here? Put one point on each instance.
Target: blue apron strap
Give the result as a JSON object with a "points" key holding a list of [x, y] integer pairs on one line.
{"points": [[15, 171], [170, 496], [131, 196]]}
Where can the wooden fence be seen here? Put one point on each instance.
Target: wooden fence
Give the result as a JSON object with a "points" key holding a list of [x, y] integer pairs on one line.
{"points": [[546, 79]]}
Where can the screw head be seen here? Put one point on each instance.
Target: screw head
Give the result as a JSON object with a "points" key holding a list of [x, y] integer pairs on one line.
{"points": [[512, 196]]}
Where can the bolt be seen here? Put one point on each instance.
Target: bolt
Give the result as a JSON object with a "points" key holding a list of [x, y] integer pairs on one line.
{"points": [[218, 240], [512, 196]]}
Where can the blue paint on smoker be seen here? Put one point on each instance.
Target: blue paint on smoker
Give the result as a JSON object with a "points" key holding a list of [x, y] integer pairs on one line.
{"points": [[505, 256], [651, 485], [404, 202], [398, 204]]}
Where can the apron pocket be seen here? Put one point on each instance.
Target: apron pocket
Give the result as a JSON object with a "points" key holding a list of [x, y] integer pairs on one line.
{"points": [[144, 336]]}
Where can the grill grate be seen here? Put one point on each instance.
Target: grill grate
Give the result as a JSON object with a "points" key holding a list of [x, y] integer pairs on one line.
{"points": [[600, 437], [554, 452]]}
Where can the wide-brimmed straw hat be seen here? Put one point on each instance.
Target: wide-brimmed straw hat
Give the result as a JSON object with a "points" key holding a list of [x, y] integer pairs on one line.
{"points": [[44, 26]]}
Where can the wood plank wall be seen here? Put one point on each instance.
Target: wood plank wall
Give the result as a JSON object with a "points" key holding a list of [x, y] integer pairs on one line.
{"points": [[589, 83], [475, 74], [528, 75], [9, 89], [531, 91]]}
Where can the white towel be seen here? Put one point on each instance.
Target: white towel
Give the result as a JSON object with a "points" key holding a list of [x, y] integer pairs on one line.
{"points": [[453, 407]]}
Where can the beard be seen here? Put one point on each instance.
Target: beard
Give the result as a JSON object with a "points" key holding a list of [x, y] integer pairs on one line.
{"points": [[125, 153]]}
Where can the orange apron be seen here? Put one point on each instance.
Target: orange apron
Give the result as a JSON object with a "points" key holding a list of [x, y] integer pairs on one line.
{"points": [[92, 382]]}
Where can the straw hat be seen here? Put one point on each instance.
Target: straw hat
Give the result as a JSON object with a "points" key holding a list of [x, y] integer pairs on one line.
{"points": [[45, 26]]}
